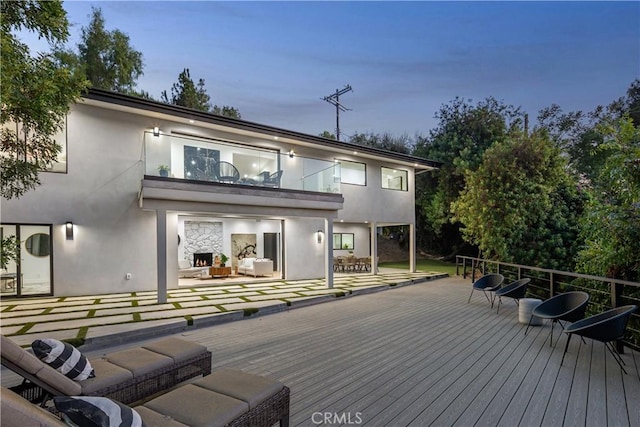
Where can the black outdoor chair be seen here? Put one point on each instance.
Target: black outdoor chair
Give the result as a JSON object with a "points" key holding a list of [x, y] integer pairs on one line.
{"points": [[487, 283], [515, 290], [226, 172], [569, 307], [607, 327]]}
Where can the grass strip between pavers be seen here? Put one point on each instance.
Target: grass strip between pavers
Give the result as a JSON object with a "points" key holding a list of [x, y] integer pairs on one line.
{"points": [[176, 305], [46, 311], [220, 307], [92, 313], [189, 319], [97, 301], [134, 303], [25, 328], [137, 317], [9, 308]]}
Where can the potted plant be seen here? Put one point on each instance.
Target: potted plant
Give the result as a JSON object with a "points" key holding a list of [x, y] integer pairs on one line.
{"points": [[223, 260], [164, 170]]}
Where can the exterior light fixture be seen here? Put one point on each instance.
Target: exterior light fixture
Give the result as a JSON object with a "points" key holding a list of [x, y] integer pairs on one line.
{"points": [[69, 230], [156, 131], [319, 236], [291, 154]]}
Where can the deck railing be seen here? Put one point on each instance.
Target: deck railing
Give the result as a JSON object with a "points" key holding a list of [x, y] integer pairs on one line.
{"points": [[606, 292]]}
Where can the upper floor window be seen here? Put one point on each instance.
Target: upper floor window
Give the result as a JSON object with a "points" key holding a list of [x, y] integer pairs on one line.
{"points": [[353, 172], [394, 179]]}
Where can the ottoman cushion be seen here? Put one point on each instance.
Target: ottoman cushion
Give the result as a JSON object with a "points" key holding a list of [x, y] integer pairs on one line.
{"points": [[252, 389], [197, 406], [139, 361], [107, 375], [175, 348], [155, 419]]}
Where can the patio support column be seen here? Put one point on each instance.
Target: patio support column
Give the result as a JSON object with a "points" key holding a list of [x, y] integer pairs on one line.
{"points": [[328, 252], [374, 248], [412, 248], [161, 232]]}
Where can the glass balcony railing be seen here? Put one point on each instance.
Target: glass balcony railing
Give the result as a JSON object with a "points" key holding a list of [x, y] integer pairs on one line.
{"points": [[207, 160]]}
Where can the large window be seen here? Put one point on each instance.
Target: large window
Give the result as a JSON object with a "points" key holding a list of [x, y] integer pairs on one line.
{"points": [[343, 241], [394, 179], [353, 172]]}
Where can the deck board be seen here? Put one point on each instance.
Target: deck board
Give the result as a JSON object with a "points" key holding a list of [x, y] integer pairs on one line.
{"points": [[420, 355]]}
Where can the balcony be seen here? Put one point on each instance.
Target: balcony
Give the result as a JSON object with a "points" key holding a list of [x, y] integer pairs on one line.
{"points": [[207, 160]]}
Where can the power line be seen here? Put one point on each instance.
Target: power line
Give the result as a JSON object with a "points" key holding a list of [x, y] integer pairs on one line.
{"points": [[334, 99]]}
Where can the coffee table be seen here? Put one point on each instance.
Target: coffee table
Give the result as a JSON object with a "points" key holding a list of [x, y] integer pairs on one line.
{"points": [[219, 271]]}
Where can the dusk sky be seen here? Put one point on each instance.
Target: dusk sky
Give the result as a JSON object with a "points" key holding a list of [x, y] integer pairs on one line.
{"points": [[274, 61]]}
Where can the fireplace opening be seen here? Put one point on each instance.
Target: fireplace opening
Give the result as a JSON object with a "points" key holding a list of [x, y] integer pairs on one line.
{"points": [[204, 259]]}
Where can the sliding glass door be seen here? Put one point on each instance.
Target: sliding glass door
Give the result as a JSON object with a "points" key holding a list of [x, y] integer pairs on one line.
{"points": [[30, 271]]}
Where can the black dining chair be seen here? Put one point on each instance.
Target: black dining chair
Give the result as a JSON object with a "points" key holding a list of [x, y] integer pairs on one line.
{"points": [[568, 307], [487, 284], [607, 327], [515, 290]]}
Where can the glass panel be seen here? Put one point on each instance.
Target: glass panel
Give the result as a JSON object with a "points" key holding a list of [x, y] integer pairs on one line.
{"points": [[353, 173], [199, 159], [394, 179], [343, 241], [35, 268], [9, 267]]}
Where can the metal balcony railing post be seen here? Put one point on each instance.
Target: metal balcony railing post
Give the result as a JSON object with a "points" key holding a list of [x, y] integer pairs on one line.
{"points": [[616, 294]]}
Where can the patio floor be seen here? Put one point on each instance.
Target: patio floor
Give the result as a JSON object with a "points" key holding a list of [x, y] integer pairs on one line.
{"points": [[420, 355]]}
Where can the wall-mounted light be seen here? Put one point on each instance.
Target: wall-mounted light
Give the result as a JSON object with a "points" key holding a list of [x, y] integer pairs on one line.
{"points": [[69, 230], [291, 154], [156, 131], [319, 234]]}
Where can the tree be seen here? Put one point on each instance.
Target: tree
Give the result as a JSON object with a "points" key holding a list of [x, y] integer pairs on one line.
{"points": [[188, 94], [328, 135], [36, 93], [521, 205], [107, 58], [463, 133], [611, 225], [385, 141]]}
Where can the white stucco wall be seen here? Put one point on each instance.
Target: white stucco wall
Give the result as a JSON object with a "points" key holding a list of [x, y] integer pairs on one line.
{"points": [[304, 256], [113, 236]]}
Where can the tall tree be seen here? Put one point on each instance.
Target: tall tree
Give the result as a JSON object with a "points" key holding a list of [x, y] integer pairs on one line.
{"points": [[36, 93], [611, 225], [463, 133], [521, 205], [187, 94], [107, 57]]}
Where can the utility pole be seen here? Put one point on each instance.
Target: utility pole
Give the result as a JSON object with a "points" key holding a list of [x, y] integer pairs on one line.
{"points": [[334, 99]]}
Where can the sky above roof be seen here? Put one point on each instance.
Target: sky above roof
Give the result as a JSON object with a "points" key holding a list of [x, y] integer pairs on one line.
{"points": [[275, 61]]}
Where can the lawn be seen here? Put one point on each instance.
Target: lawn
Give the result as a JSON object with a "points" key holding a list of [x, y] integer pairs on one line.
{"points": [[425, 265]]}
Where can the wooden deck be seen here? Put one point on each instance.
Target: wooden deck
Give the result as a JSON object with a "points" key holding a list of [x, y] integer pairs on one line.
{"points": [[420, 355]]}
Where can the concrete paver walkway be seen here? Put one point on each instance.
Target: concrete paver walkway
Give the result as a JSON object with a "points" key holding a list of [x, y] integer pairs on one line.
{"points": [[111, 318]]}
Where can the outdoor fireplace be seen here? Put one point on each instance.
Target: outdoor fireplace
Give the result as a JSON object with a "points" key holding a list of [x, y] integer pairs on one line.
{"points": [[204, 259]]}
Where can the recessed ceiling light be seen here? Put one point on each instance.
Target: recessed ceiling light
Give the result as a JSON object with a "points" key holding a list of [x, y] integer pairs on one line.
{"points": [[191, 121], [355, 152], [275, 137]]}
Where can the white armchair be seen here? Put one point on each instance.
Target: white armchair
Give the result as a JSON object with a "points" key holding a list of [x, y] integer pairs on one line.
{"points": [[255, 267]]}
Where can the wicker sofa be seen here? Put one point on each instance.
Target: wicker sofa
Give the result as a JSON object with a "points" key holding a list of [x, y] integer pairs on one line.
{"points": [[224, 398], [126, 376]]}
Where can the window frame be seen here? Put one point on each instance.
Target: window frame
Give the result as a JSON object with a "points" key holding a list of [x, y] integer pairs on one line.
{"points": [[342, 248], [404, 186], [341, 162]]}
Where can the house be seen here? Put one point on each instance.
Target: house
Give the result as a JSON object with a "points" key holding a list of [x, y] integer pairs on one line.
{"points": [[144, 189]]}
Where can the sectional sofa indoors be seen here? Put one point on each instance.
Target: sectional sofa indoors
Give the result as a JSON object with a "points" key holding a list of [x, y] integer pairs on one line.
{"points": [[255, 267]]}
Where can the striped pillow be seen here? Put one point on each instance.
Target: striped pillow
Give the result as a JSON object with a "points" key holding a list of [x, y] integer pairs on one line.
{"points": [[64, 357], [90, 411]]}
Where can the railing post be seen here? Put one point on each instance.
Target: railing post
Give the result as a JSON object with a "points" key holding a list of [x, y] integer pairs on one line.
{"points": [[616, 294], [519, 273], [458, 265], [498, 268], [552, 285]]}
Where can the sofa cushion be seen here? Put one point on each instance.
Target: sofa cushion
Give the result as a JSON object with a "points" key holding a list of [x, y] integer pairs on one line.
{"points": [[97, 411], [64, 357], [107, 375], [197, 406], [240, 385], [139, 361], [17, 411], [19, 356], [152, 418], [177, 349], [247, 262]]}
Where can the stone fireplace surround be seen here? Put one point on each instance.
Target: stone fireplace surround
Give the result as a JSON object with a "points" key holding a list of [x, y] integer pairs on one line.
{"points": [[202, 237]]}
